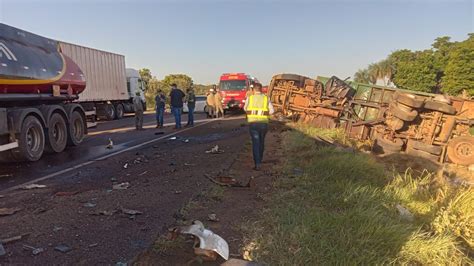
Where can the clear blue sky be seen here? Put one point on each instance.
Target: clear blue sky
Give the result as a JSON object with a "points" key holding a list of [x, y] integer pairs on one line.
{"points": [[204, 38]]}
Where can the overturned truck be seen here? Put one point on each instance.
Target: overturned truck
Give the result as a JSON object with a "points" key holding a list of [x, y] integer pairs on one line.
{"points": [[432, 126]]}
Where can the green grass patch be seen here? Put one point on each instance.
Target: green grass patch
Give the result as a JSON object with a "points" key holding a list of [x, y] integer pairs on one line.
{"points": [[342, 209]]}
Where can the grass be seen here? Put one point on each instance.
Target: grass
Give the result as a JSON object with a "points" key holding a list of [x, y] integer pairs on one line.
{"points": [[343, 210]]}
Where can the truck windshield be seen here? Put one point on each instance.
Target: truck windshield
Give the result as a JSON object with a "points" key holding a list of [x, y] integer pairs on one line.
{"points": [[233, 85]]}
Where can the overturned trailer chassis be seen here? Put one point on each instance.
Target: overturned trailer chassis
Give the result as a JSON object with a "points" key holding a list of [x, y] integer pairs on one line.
{"points": [[423, 125]]}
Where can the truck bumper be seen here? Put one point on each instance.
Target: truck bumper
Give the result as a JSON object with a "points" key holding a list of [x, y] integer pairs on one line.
{"points": [[8, 146]]}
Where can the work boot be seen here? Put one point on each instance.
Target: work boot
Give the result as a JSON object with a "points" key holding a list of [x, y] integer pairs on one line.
{"points": [[257, 167]]}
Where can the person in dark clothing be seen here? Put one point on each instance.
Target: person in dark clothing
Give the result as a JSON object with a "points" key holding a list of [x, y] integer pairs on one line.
{"points": [[160, 100], [191, 101], [176, 97]]}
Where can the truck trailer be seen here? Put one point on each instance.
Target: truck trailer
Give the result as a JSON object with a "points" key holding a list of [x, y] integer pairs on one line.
{"points": [[42, 107]]}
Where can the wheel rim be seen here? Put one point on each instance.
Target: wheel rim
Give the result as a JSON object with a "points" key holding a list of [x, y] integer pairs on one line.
{"points": [[464, 150], [33, 142], [77, 129], [58, 133]]}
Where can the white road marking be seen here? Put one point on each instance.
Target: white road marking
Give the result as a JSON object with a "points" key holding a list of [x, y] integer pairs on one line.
{"points": [[102, 158]]}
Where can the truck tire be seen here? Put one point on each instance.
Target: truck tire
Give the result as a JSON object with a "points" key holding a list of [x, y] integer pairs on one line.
{"points": [[408, 100], [31, 141], [422, 154], [440, 107], [76, 132], [119, 110], [57, 134], [402, 113], [385, 146], [461, 150], [418, 145], [110, 112]]}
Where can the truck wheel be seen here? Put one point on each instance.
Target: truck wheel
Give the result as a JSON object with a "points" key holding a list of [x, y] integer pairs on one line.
{"points": [[119, 111], [76, 129], [461, 150], [31, 141], [402, 113], [440, 107], [422, 154], [110, 112], [57, 134], [385, 146], [418, 145], [408, 100]]}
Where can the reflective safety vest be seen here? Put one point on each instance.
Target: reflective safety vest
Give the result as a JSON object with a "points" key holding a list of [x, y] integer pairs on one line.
{"points": [[257, 109]]}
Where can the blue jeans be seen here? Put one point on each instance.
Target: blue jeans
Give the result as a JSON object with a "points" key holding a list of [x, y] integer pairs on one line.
{"points": [[177, 116], [159, 115], [191, 115], [257, 133]]}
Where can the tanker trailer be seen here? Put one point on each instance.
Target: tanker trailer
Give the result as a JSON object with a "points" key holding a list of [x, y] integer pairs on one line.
{"points": [[38, 87]]}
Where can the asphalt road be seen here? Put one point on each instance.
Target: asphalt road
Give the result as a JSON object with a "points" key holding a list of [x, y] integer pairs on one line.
{"points": [[121, 132]]}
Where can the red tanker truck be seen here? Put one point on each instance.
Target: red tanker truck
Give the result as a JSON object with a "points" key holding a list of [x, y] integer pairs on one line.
{"points": [[38, 87]]}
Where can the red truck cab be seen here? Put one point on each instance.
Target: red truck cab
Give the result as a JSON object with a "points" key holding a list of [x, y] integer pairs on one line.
{"points": [[233, 88]]}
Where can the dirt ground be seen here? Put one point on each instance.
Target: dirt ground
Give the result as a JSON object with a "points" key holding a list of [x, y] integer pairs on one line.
{"points": [[82, 211]]}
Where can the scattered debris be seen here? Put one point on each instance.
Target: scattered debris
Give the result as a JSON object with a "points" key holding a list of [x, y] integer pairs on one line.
{"points": [[12, 239], [230, 182], [93, 245], [212, 217], [215, 150], [189, 164], [110, 145], [177, 192], [57, 228], [33, 186], [171, 164], [121, 186], [125, 166], [173, 138], [89, 205], [159, 133], [130, 212], [405, 213], [63, 248], [34, 251], [106, 213], [65, 193], [239, 262], [9, 211], [207, 244], [144, 173], [186, 140], [2, 250], [6, 175]]}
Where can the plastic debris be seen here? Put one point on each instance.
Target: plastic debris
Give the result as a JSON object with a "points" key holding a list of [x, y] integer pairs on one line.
{"points": [[34, 251], [89, 205], [173, 138], [405, 213], [207, 243], [125, 166], [110, 145], [12, 239], [63, 248], [215, 150], [33, 186], [2, 250], [130, 212], [121, 186], [186, 140], [9, 211]]}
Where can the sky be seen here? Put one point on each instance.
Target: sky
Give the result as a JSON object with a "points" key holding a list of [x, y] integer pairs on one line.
{"points": [[205, 38]]}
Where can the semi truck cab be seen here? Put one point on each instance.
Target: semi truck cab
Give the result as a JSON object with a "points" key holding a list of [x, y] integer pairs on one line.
{"points": [[134, 84]]}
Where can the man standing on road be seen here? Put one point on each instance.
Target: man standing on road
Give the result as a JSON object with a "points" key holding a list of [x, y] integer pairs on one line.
{"points": [[138, 106], [210, 103], [258, 109], [160, 102], [176, 96], [218, 103], [191, 101]]}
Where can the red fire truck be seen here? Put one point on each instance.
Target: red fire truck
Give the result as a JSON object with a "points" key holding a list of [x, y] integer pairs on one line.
{"points": [[234, 87]]}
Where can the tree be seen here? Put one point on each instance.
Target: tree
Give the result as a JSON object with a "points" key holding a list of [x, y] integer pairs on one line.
{"points": [[362, 76], [416, 72], [146, 76], [183, 82], [459, 71]]}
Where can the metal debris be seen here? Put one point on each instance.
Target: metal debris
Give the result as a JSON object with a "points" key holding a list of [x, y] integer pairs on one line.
{"points": [[9, 211], [3, 252], [130, 212], [90, 205], [12, 239], [33, 186], [121, 186], [173, 138], [34, 251], [125, 166], [207, 244], [63, 248]]}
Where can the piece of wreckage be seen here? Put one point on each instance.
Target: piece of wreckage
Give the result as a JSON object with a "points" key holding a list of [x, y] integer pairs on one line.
{"points": [[432, 126], [207, 244]]}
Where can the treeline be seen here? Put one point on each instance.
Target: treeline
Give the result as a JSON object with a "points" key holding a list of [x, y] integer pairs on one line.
{"points": [[182, 81], [447, 67]]}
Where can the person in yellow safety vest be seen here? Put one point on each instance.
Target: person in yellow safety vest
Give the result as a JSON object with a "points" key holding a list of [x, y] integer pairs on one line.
{"points": [[258, 109]]}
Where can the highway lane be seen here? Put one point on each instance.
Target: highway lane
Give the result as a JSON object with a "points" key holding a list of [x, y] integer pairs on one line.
{"points": [[121, 132]]}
